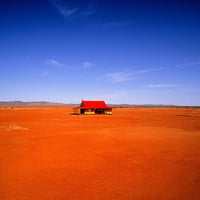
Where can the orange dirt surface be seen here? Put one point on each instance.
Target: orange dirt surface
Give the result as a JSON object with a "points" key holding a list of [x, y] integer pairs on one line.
{"points": [[134, 154]]}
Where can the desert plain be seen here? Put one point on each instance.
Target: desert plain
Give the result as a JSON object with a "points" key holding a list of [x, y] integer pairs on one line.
{"points": [[135, 154]]}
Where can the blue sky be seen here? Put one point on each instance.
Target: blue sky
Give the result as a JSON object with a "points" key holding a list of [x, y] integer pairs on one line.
{"points": [[120, 51]]}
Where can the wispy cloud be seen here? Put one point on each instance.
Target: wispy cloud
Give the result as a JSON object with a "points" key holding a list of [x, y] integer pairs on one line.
{"points": [[80, 66], [86, 65], [45, 74], [196, 90], [117, 77], [191, 64], [196, 63], [162, 85], [54, 62], [110, 96], [73, 9], [114, 95]]}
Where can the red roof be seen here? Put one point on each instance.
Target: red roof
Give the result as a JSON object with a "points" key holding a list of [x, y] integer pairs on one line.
{"points": [[93, 104]]}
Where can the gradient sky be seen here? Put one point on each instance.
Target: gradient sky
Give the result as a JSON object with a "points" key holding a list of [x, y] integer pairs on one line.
{"points": [[120, 51]]}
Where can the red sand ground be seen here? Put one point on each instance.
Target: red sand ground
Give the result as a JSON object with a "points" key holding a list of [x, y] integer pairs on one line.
{"points": [[135, 154]]}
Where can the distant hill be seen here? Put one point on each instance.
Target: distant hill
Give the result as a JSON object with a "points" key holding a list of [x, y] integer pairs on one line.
{"points": [[141, 105], [46, 103], [33, 103]]}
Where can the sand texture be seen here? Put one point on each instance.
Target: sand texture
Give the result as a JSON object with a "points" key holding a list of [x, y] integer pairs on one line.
{"points": [[134, 154]]}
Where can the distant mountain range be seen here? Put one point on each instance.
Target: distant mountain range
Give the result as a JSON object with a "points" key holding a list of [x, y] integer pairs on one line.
{"points": [[46, 103], [33, 103]]}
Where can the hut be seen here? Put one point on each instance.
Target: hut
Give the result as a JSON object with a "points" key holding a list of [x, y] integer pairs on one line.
{"points": [[92, 108]]}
